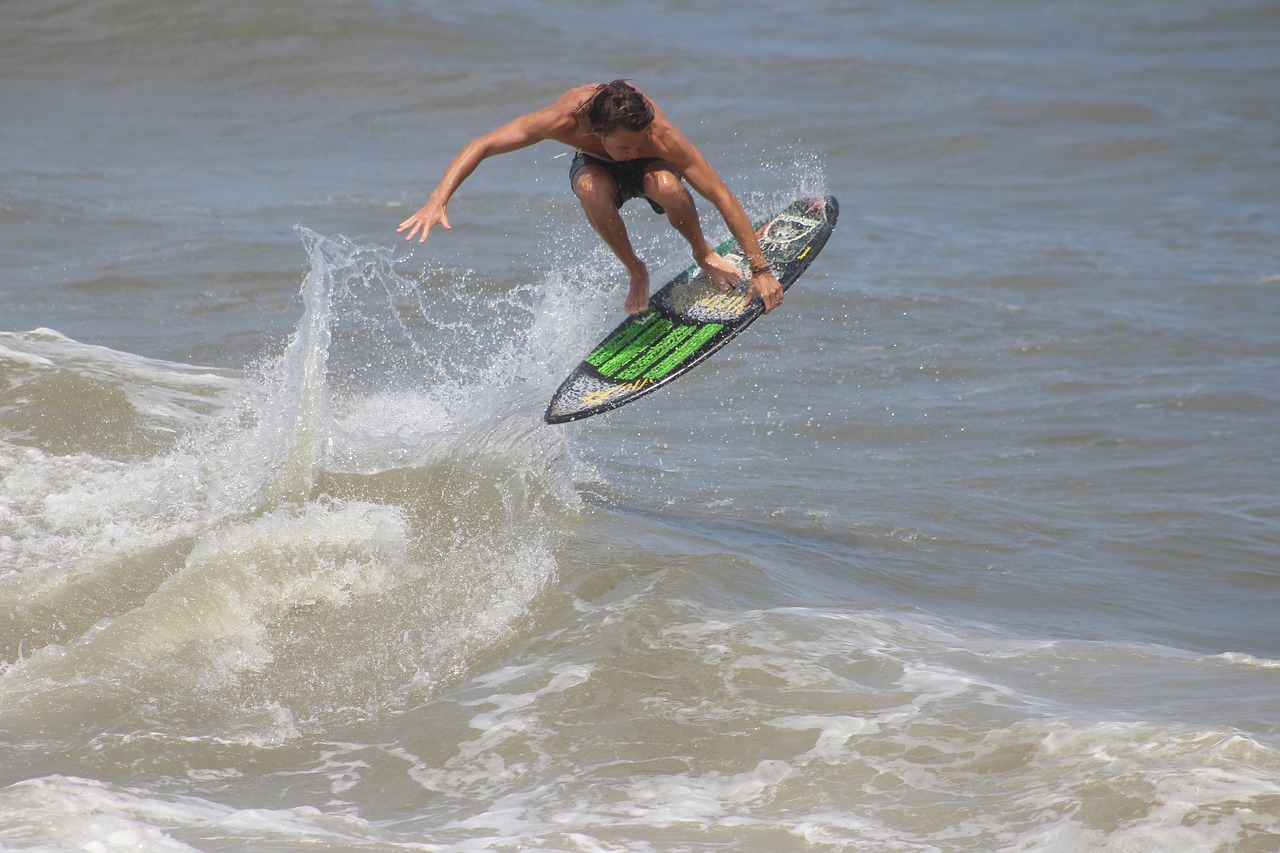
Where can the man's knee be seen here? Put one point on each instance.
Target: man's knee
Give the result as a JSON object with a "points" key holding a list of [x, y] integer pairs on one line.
{"points": [[594, 186], [664, 186]]}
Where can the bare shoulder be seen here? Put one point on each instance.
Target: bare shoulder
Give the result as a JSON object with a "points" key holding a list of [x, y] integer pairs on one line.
{"points": [[575, 97], [558, 120]]}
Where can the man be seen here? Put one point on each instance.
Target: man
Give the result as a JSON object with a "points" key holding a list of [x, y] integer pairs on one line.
{"points": [[626, 148]]}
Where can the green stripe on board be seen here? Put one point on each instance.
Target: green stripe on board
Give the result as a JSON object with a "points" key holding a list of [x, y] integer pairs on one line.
{"points": [[606, 350], [655, 352], [687, 349], [653, 330]]}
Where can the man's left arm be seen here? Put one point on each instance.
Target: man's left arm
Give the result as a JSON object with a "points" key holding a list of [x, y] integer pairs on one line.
{"points": [[698, 172]]}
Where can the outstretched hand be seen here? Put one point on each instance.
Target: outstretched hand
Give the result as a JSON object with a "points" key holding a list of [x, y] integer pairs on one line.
{"points": [[424, 220]]}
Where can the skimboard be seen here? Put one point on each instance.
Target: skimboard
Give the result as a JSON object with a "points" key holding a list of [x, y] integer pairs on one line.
{"points": [[689, 318]]}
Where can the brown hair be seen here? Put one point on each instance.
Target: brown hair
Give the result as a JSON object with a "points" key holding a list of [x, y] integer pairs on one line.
{"points": [[613, 106]]}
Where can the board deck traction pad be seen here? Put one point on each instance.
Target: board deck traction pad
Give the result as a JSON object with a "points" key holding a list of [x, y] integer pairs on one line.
{"points": [[689, 318]]}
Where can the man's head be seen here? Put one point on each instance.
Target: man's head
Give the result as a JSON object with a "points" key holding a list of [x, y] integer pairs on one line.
{"points": [[615, 106]]}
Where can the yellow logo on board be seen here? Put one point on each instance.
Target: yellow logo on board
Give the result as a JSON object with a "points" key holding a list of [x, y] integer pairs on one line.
{"points": [[604, 395]]}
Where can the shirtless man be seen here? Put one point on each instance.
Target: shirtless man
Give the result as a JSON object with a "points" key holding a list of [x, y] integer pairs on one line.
{"points": [[626, 148]]}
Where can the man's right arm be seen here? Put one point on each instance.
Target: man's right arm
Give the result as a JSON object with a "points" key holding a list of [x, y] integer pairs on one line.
{"points": [[521, 133]]}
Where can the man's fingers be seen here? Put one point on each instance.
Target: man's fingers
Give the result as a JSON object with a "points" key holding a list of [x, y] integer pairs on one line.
{"points": [[770, 297], [420, 222]]}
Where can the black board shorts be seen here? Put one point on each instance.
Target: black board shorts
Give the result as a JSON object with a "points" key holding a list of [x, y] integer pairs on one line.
{"points": [[628, 175]]}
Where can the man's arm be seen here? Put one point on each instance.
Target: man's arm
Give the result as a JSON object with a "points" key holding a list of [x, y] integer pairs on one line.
{"points": [[520, 133], [702, 177]]}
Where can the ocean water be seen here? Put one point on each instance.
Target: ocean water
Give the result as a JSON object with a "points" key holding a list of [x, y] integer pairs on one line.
{"points": [[974, 545]]}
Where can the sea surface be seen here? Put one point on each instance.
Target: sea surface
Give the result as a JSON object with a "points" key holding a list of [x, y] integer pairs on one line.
{"points": [[973, 545]]}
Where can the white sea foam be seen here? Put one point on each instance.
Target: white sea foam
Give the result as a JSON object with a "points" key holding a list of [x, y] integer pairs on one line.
{"points": [[210, 572], [1249, 661], [966, 741], [59, 813]]}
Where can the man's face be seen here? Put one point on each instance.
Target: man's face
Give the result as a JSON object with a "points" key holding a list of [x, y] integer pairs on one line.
{"points": [[624, 144]]}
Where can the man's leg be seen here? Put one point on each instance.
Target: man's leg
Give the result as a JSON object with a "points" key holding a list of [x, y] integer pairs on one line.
{"points": [[596, 189], [663, 184]]}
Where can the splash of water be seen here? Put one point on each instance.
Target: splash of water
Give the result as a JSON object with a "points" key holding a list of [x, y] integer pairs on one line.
{"points": [[373, 509]]}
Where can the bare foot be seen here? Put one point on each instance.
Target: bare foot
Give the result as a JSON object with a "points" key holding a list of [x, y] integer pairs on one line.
{"points": [[723, 273], [638, 296]]}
